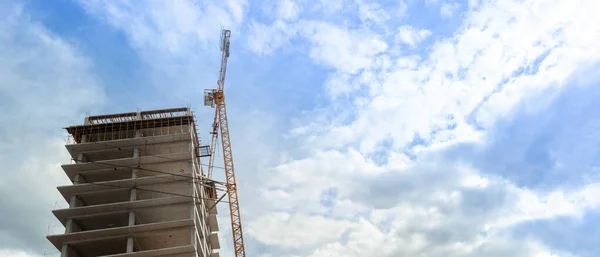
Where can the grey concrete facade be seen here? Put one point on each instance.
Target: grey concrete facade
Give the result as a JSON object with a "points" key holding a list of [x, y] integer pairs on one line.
{"points": [[138, 188]]}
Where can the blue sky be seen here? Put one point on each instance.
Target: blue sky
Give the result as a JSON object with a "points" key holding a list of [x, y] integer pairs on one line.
{"points": [[360, 128]]}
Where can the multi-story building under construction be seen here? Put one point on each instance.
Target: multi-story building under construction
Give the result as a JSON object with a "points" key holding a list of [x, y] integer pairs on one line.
{"points": [[138, 188]]}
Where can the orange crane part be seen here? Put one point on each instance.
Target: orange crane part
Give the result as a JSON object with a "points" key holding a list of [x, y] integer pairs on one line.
{"points": [[216, 98]]}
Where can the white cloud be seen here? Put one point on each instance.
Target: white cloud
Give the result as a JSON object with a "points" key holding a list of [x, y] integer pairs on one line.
{"points": [[411, 36], [455, 92], [420, 203], [264, 39], [236, 8], [436, 207], [296, 230], [45, 82], [170, 27], [460, 77], [349, 51], [178, 41], [288, 10], [372, 12], [330, 6], [557, 203], [365, 239], [14, 253], [448, 9], [345, 50], [299, 185]]}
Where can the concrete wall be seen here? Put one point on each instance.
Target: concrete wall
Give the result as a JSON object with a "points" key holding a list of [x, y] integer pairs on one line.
{"points": [[168, 189], [164, 213], [164, 239], [147, 218], [181, 168]]}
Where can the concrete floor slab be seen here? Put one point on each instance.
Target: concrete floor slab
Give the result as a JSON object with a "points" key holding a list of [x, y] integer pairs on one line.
{"points": [[63, 214], [59, 240], [157, 253], [76, 149]]}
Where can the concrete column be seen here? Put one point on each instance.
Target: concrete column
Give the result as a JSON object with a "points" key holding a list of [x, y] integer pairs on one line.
{"points": [[77, 179], [74, 202], [80, 158], [130, 244], [134, 172], [136, 153], [193, 216], [130, 239], [194, 242], [131, 222], [69, 226], [64, 251], [131, 218], [133, 192], [132, 197]]}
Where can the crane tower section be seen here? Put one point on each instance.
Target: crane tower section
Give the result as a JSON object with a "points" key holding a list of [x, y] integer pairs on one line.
{"points": [[216, 98]]}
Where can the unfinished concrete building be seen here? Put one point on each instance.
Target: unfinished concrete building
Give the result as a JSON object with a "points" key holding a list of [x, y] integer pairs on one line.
{"points": [[138, 188]]}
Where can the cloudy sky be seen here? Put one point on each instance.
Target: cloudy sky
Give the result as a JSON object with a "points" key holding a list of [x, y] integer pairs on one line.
{"points": [[399, 128]]}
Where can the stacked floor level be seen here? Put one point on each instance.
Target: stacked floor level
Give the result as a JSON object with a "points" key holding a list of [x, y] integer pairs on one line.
{"points": [[138, 188]]}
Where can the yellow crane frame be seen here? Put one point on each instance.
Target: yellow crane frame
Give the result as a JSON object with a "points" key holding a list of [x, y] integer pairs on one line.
{"points": [[216, 98]]}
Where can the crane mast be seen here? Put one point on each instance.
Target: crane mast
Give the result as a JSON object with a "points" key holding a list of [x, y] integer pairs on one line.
{"points": [[216, 98]]}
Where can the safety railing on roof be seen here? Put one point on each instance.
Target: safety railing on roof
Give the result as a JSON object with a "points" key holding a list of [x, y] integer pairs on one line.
{"points": [[132, 116], [126, 125]]}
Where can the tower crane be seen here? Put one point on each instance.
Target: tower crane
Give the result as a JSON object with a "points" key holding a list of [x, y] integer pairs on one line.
{"points": [[216, 99]]}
